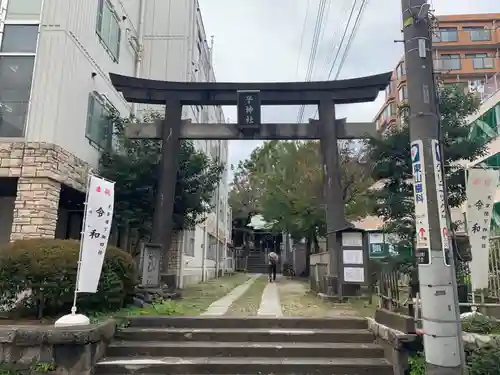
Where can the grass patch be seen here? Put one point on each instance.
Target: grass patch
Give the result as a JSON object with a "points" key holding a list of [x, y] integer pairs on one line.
{"points": [[195, 300], [297, 300], [248, 304], [363, 307]]}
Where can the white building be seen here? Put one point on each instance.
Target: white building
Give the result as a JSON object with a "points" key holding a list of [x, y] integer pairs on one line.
{"points": [[55, 57]]}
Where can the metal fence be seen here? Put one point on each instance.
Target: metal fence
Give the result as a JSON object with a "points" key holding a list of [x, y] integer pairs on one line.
{"points": [[395, 293]]}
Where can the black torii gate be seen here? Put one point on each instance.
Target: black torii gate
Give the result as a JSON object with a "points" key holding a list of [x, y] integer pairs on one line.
{"points": [[327, 129]]}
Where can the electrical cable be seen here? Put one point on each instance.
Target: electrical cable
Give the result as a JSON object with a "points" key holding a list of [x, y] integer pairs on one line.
{"points": [[350, 40], [355, 29], [343, 38], [314, 48], [302, 37], [331, 51]]}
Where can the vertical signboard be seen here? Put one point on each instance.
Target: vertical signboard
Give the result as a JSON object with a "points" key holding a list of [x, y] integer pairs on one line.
{"points": [[151, 262], [420, 198], [481, 187], [249, 107], [95, 233], [442, 204], [377, 245], [353, 262]]}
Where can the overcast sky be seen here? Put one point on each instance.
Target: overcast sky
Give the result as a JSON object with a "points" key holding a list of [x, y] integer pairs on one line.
{"points": [[259, 41]]}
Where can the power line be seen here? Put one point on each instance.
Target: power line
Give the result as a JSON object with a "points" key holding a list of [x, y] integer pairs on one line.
{"points": [[302, 36], [350, 40], [343, 37], [355, 29], [314, 48], [332, 49]]}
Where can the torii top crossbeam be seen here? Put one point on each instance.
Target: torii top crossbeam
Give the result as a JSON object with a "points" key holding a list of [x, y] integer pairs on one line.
{"points": [[148, 91]]}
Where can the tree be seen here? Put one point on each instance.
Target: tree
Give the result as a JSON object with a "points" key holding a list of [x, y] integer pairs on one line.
{"points": [[393, 169], [243, 197], [134, 166], [289, 179]]}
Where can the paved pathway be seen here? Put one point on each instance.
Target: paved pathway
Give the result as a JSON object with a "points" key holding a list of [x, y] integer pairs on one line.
{"points": [[221, 306], [270, 304]]}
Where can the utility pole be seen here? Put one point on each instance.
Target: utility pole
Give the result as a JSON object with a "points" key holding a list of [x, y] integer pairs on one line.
{"points": [[440, 314]]}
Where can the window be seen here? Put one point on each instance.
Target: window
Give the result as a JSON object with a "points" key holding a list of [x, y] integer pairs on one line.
{"points": [[401, 70], [388, 91], [108, 29], [480, 60], [17, 57], [99, 126], [189, 247], [19, 39], [212, 248], [15, 88], [446, 35], [450, 62], [26, 10], [478, 33], [403, 93]]}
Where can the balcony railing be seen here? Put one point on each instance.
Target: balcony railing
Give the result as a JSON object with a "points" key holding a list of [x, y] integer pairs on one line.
{"points": [[491, 87], [473, 35], [469, 64]]}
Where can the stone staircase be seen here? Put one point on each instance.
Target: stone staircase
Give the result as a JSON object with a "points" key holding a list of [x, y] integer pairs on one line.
{"points": [[198, 345], [257, 262]]}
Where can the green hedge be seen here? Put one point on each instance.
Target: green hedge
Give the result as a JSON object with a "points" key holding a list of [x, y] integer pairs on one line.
{"points": [[48, 267]]}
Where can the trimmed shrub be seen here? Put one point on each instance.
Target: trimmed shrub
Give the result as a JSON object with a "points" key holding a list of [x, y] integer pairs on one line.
{"points": [[482, 324], [48, 268]]}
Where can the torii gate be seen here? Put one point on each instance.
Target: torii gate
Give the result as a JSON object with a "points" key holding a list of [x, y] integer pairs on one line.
{"points": [[327, 129]]}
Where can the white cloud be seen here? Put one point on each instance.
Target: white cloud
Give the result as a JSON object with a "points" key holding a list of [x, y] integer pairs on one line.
{"points": [[259, 40]]}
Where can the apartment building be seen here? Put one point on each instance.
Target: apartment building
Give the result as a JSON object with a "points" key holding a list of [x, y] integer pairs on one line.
{"points": [[466, 50], [55, 94]]}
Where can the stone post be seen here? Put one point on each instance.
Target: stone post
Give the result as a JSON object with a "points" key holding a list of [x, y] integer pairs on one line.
{"points": [[35, 208]]}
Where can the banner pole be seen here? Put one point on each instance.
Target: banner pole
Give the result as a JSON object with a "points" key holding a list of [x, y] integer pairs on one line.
{"points": [[74, 319], [82, 232]]}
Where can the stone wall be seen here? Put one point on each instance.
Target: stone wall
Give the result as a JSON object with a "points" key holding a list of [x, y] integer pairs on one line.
{"points": [[38, 159], [41, 169], [35, 208], [66, 351]]}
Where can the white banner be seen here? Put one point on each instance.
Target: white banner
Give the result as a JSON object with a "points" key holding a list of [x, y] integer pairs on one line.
{"points": [[481, 188], [96, 229]]}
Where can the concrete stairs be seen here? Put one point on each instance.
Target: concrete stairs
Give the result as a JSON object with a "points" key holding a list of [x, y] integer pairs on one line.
{"points": [[220, 345], [257, 262]]}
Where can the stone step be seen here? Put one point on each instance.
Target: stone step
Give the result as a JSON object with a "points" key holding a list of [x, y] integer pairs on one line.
{"points": [[243, 349], [246, 335], [247, 365], [248, 322]]}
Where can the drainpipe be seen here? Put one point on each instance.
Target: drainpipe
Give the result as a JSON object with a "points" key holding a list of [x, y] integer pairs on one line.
{"points": [[182, 265], [140, 45], [204, 253], [217, 207]]}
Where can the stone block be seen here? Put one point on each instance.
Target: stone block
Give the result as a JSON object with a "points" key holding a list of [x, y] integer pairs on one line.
{"points": [[41, 168], [72, 350]]}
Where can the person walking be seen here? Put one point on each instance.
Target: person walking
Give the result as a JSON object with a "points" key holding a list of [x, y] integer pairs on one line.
{"points": [[273, 264]]}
